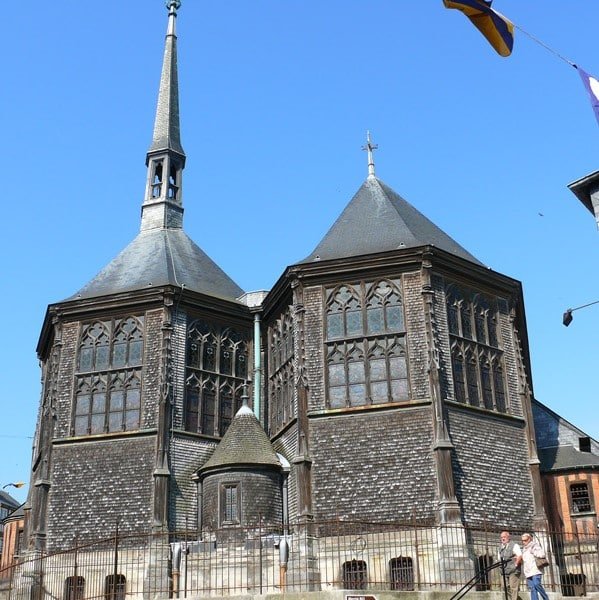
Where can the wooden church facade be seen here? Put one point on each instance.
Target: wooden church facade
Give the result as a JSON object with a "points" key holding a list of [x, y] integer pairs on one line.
{"points": [[389, 371]]}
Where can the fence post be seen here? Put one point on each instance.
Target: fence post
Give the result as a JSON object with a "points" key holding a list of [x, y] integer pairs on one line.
{"points": [[116, 561]]}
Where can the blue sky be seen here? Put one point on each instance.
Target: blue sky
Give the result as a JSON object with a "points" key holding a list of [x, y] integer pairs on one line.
{"points": [[276, 98]]}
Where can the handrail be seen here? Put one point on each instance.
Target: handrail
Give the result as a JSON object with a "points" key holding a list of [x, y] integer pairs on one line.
{"points": [[474, 580]]}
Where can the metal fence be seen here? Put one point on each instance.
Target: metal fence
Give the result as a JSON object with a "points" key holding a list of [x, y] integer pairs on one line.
{"points": [[313, 556]]}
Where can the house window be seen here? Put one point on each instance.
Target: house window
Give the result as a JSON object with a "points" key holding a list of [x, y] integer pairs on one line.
{"points": [[108, 382], [476, 359], [216, 374], [115, 587], [401, 570], [74, 588], [580, 498], [355, 575], [365, 345], [230, 504]]}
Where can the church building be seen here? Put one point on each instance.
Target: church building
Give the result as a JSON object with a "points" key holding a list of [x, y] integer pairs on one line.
{"points": [[385, 377]]}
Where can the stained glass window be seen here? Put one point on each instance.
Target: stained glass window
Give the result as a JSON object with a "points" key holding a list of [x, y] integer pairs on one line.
{"points": [[216, 375], [370, 366], [472, 321], [108, 396]]}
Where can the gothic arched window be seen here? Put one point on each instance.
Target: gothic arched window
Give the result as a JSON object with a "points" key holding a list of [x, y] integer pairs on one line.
{"points": [[108, 383], [368, 364], [216, 373], [475, 356]]}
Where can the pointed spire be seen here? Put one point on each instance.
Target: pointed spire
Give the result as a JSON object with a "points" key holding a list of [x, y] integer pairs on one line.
{"points": [[163, 206], [370, 147], [166, 125]]}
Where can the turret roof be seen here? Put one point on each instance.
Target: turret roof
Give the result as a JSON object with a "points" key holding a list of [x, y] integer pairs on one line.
{"points": [[245, 443]]}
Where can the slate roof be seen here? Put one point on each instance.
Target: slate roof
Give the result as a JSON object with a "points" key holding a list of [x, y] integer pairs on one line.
{"points": [[8, 501], [244, 443], [377, 219], [565, 458], [159, 257]]}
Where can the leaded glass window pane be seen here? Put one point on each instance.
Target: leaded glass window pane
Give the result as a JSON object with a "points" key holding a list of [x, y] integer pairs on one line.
{"points": [[452, 319], [378, 370], [375, 320], [208, 413], [357, 395], [241, 366], [499, 390], [458, 378], [356, 372], [117, 400], [395, 318], [466, 321], [133, 398], [97, 423], [334, 325], [336, 375], [81, 425], [378, 392], [337, 397], [399, 390], [86, 357], [101, 358], [192, 409], [472, 382], [226, 362], [115, 421], [99, 403], [485, 374], [83, 403], [353, 323], [119, 355], [492, 329], [135, 353], [398, 367], [131, 419]]}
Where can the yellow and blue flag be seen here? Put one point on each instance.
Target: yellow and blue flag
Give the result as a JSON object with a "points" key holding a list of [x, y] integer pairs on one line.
{"points": [[495, 27]]}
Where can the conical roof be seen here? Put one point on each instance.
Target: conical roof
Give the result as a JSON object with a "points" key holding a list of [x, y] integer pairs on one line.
{"points": [[244, 443], [377, 219]]}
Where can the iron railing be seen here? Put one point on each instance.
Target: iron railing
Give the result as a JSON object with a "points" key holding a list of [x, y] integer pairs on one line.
{"points": [[317, 555]]}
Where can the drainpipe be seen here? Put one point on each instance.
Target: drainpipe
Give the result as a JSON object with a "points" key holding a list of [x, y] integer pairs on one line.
{"points": [[199, 498], [283, 543], [257, 366]]}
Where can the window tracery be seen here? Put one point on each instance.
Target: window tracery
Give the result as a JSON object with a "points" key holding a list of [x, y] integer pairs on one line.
{"points": [[280, 370], [365, 344], [215, 377], [108, 383], [476, 358]]}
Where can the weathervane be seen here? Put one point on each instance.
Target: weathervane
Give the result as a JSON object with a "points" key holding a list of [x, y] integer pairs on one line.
{"points": [[370, 147]]}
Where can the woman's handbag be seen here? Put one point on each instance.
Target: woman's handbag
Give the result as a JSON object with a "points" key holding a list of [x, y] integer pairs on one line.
{"points": [[541, 562]]}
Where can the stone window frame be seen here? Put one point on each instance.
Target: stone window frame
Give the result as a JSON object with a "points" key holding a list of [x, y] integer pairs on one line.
{"points": [[401, 573], [108, 381], [281, 374], [229, 507], [74, 588], [579, 495], [354, 574], [477, 359], [216, 375], [112, 591], [365, 344]]}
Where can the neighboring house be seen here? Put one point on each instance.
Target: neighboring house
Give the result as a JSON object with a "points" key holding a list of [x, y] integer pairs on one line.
{"points": [[570, 472], [13, 529], [7, 505]]}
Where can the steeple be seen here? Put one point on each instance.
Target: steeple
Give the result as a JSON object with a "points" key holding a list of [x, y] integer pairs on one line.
{"points": [[162, 253], [162, 206]]}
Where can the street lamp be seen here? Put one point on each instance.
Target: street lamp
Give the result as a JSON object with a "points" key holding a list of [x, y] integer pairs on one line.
{"points": [[16, 484], [567, 318]]}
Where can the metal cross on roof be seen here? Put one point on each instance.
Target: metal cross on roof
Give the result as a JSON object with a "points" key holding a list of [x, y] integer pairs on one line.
{"points": [[370, 147]]}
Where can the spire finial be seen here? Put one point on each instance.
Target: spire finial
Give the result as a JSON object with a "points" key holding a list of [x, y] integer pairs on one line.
{"points": [[370, 147], [173, 6]]}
